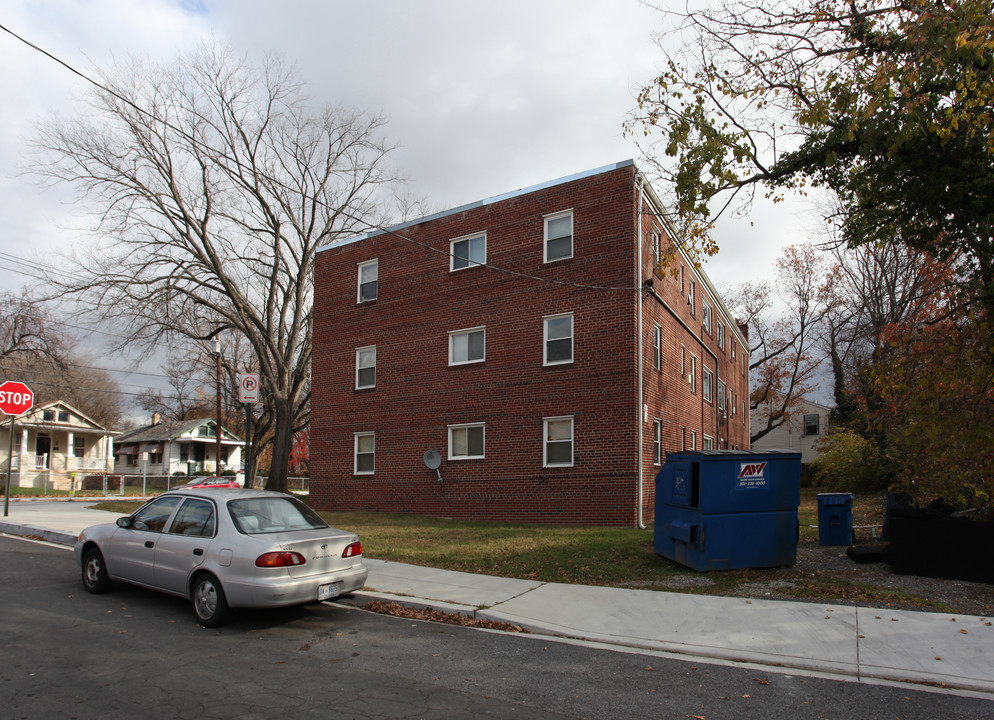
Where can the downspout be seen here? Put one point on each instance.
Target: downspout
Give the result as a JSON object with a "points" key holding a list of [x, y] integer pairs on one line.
{"points": [[639, 180]]}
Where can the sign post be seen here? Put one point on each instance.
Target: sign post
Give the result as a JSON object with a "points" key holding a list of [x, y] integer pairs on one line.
{"points": [[15, 400], [248, 394]]}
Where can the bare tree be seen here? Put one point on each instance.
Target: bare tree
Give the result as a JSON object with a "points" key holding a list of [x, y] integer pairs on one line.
{"points": [[26, 334], [214, 185], [784, 321]]}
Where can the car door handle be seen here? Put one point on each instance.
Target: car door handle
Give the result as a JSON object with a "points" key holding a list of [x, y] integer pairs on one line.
{"points": [[149, 543], [198, 551]]}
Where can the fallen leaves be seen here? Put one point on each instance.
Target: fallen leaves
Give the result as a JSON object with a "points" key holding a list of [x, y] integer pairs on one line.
{"points": [[398, 610]]}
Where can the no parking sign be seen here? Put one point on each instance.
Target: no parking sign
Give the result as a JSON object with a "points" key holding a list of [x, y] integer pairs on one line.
{"points": [[248, 388]]}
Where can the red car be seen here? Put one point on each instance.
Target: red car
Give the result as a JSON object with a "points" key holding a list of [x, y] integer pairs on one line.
{"points": [[209, 482]]}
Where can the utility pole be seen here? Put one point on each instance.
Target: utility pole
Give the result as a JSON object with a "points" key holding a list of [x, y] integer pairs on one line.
{"points": [[217, 352]]}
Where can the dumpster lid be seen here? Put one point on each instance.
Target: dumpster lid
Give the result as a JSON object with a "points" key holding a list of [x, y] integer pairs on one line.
{"points": [[729, 454]]}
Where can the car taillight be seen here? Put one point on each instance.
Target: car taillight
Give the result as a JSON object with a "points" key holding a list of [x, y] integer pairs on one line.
{"points": [[280, 559], [353, 550]]}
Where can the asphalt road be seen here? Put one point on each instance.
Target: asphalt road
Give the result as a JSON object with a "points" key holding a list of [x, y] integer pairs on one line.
{"points": [[135, 653]]}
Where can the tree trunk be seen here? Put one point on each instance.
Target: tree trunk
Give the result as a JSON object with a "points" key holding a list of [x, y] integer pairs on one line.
{"points": [[282, 439]]}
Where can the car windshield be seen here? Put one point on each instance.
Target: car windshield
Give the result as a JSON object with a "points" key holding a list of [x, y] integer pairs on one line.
{"points": [[273, 514]]}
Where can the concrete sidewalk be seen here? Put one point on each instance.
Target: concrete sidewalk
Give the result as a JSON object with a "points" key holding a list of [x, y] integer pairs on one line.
{"points": [[866, 644]]}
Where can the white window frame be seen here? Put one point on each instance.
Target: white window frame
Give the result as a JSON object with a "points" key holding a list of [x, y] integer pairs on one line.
{"points": [[692, 298], [721, 335], [356, 453], [469, 240], [467, 427], [657, 442], [708, 443], [545, 441], [546, 339], [657, 346], [693, 439], [358, 355], [707, 383], [465, 333], [722, 389], [692, 376], [572, 237], [361, 266], [656, 248], [706, 316]]}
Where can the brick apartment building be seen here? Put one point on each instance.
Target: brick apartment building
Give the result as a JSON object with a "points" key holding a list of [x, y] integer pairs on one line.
{"points": [[533, 342]]}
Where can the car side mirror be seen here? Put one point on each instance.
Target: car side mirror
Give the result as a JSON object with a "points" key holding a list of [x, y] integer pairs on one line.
{"points": [[125, 522]]}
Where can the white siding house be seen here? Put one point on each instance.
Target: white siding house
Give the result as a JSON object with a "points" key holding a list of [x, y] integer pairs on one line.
{"points": [[801, 433], [167, 448]]}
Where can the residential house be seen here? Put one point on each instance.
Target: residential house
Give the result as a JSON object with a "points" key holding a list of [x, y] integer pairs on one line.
{"points": [[167, 448], [52, 443], [802, 431], [534, 345]]}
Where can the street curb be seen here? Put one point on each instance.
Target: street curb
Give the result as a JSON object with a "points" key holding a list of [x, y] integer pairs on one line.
{"points": [[58, 537]]}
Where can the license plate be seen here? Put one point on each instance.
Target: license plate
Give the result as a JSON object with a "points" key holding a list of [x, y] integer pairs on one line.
{"points": [[327, 592]]}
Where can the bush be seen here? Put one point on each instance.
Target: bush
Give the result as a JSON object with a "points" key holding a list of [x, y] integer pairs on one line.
{"points": [[850, 463]]}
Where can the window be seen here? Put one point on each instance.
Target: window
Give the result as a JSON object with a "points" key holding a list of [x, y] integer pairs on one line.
{"points": [[721, 336], [692, 298], [368, 279], [706, 384], [693, 439], [683, 361], [195, 518], [692, 375], [466, 442], [706, 316], [721, 396], [365, 367], [558, 339], [63, 416], [153, 516], [467, 346], [48, 415], [207, 431], [559, 236], [155, 458], [731, 402], [812, 425], [558, 445], [655, 249], [657, 339], [708, 443], [365, 453], [78, 447], [657, 442], [467, 252]]}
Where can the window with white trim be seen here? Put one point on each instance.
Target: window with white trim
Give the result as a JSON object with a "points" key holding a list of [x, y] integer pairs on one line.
{"points": [[708, 443], [557, 446], [692, 375], [365, 453], [369, 273], [706, 384], [468, 251], [721, 396], [558, 236], [706, 316], [657, 350], [365, 367], [656, 248], [467, 442], [693, 439], [692, 298], [558, 339], [467, 346], [721, 335], [657, 442]]}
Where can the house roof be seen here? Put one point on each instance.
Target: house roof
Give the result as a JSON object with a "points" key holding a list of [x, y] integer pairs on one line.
{"points": [[40, 409], [168, 431]]}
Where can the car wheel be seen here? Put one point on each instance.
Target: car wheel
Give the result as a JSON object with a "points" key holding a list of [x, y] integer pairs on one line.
{"points": [[209, 602], [95, 577]]}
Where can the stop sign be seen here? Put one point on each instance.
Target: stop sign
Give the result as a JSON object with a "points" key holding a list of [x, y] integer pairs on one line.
{"points": [[15, 398]]}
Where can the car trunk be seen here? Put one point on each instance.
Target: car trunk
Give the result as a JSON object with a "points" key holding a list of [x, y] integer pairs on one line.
{"points": [[321, 550]]}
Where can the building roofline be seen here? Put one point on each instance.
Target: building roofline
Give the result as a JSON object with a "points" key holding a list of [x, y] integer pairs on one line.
{"points": [[481, 203]]}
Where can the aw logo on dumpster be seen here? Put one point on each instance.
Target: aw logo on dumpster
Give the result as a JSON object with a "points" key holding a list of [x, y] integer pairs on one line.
{"points": [[751, 475]]}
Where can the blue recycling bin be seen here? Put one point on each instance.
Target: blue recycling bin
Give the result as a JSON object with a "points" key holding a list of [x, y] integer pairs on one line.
{"points": [[728, 509], [835, 518]]}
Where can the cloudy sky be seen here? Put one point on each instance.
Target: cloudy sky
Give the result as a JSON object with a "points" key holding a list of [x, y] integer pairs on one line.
{"points": [[482, 98]]}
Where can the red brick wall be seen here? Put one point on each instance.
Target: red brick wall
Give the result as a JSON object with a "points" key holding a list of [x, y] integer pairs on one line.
{"points": [[418, 395]]}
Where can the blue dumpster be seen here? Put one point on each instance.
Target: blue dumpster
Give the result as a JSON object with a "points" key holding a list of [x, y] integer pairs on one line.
{"points": [[835, 518], [728, 509]]}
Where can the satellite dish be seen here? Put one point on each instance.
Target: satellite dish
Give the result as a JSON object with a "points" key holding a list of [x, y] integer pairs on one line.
{"points": [[432, 461]]}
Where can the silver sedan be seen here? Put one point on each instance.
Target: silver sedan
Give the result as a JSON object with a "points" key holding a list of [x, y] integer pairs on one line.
{"points": [[222, 549]]}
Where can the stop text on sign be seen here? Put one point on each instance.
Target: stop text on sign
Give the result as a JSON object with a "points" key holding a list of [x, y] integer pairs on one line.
{"points": [[16, 397]]}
